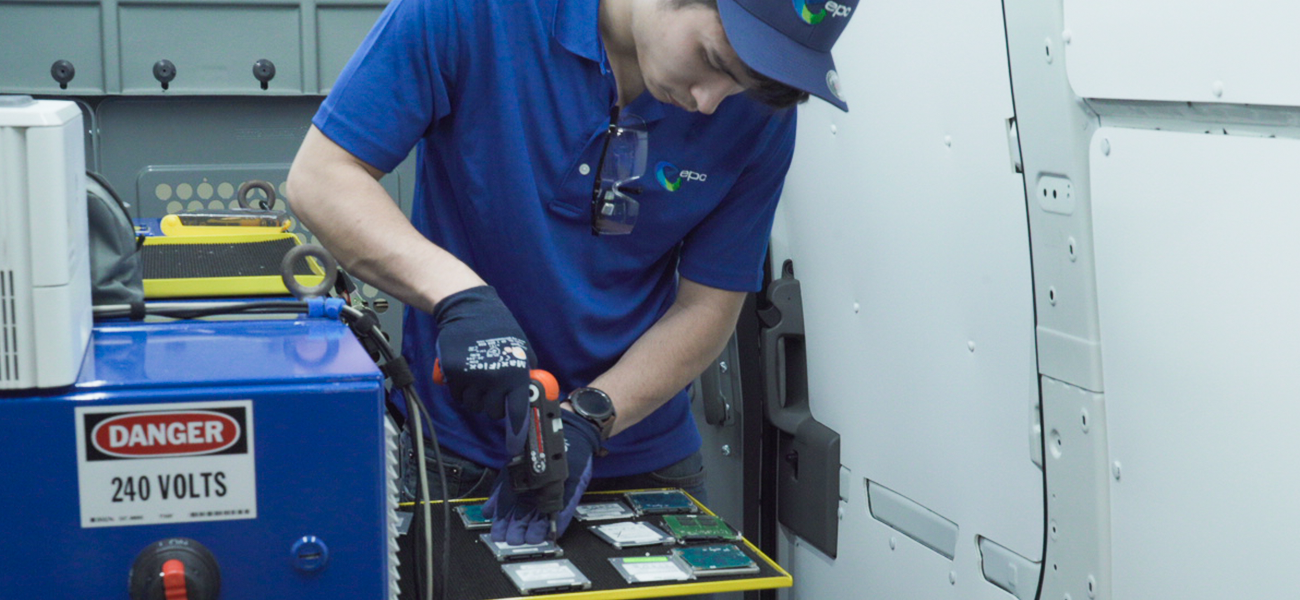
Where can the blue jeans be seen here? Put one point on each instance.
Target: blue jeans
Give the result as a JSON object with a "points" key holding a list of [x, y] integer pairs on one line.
{"points": [[687, 474], [467, 479]]}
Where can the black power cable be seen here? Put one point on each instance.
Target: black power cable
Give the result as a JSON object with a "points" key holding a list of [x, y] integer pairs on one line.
{"points": [[399, 372]]}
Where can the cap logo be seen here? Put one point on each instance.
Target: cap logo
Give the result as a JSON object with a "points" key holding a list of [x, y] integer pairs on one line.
{"points": [[808, 16], [833, 83], [833, 9]]}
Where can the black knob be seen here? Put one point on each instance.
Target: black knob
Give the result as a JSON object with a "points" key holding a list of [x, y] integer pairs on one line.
{"points": [[175, 567], [264, 71], [164, 71], [62, 71]]}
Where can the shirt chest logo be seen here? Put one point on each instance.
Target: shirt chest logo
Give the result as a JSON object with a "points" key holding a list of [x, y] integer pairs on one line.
{"points": [[671, 177]]}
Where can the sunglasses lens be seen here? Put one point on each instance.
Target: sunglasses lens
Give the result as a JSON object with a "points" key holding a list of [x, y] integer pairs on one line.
{"points": [[626, 158], [615, 213]]}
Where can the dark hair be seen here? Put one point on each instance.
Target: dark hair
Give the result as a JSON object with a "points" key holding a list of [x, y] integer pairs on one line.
{"points": [[766, 90]]}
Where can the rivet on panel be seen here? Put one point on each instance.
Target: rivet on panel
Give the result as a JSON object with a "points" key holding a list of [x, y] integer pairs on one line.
{"points": [[1052, 529], [1071, 245], [947, 140], [971, 345], [856, 307], [893, 543], [1067, 36], [1218, 89], [1092, 586], [952, 577], [1115, 469], [1105, 147], [1047, 50], [834, 130], [1051, 295], [1084, 419]]}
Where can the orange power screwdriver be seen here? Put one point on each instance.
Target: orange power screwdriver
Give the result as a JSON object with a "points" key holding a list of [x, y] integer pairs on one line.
{"points": [[541, 467]]}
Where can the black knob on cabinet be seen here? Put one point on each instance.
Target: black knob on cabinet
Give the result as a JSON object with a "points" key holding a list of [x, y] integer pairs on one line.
{"points": [[62, 71], [175, 567], [264, 71], [164, 71]]}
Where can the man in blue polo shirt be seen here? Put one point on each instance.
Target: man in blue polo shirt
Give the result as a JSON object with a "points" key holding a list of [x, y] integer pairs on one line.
{"points": [[596, 185]]}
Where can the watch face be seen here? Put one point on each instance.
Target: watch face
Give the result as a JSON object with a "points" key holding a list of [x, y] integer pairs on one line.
{"points": [[592, 403]]}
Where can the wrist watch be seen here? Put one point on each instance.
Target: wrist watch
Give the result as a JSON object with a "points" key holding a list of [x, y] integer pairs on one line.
{"points": [[596, 407]]}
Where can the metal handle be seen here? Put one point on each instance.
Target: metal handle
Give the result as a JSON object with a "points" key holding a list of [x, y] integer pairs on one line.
{"points": [[256, 184], [327, 263], [785, 365]]}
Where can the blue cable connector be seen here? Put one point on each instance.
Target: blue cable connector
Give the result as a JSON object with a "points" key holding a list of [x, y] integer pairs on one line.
{"points": [[329, 308]]}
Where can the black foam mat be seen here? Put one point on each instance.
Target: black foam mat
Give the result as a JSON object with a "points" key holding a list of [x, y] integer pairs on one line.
{"points": [[476, 574], [189, 261]]}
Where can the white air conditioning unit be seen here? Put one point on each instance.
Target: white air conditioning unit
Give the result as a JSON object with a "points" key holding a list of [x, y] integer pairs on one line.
{"points": [[45, 312]]}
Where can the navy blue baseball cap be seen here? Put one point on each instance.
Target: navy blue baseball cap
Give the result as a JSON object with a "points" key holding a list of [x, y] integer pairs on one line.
{"points": [[790, 40]]}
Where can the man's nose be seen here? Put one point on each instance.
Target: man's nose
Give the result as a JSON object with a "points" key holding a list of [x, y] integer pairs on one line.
{"points": [[709, 95]]}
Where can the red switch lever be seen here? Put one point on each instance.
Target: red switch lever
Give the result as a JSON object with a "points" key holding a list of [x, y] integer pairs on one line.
{"points": [[173, 572]]}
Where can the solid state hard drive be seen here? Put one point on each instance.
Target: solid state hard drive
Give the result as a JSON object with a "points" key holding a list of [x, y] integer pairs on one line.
{"points": [[660, 502], [698, 528], [603, 511], [647, 569], [503, 551], [628, 534], [472, 516], [546, 577], [716, 559]]}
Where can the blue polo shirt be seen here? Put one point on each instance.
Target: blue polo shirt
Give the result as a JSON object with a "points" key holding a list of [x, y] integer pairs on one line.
{"points": [[507, 102]]}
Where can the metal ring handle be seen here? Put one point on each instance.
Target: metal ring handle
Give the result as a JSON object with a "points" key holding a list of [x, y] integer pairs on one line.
{"points": [[327, 261], [257, 184]]}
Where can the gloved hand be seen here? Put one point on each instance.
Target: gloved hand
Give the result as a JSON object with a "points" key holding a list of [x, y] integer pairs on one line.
{"points": [[515, 516], [484, 354]]}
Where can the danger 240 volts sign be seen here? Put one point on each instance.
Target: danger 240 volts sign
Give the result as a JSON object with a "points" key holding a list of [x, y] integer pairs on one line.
{"points": [[145, 464]]}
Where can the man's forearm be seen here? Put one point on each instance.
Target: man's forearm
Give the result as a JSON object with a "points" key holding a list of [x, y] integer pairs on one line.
{"points": [[339, 198], [671, 353]]}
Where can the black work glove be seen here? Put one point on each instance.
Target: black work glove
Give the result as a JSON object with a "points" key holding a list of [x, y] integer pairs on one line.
{"points": [[515, 516], [484, 353]]}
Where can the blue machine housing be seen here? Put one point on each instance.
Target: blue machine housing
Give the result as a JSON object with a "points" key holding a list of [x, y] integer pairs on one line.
{"points": [[320, 452]]}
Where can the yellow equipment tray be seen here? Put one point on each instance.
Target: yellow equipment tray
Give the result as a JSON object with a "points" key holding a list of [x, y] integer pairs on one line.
{"points": [[477, 575], [212, 266]]}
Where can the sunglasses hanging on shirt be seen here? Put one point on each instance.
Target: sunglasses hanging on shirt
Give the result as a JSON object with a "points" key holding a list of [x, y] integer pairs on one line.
{"points": [[622, 163]]}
